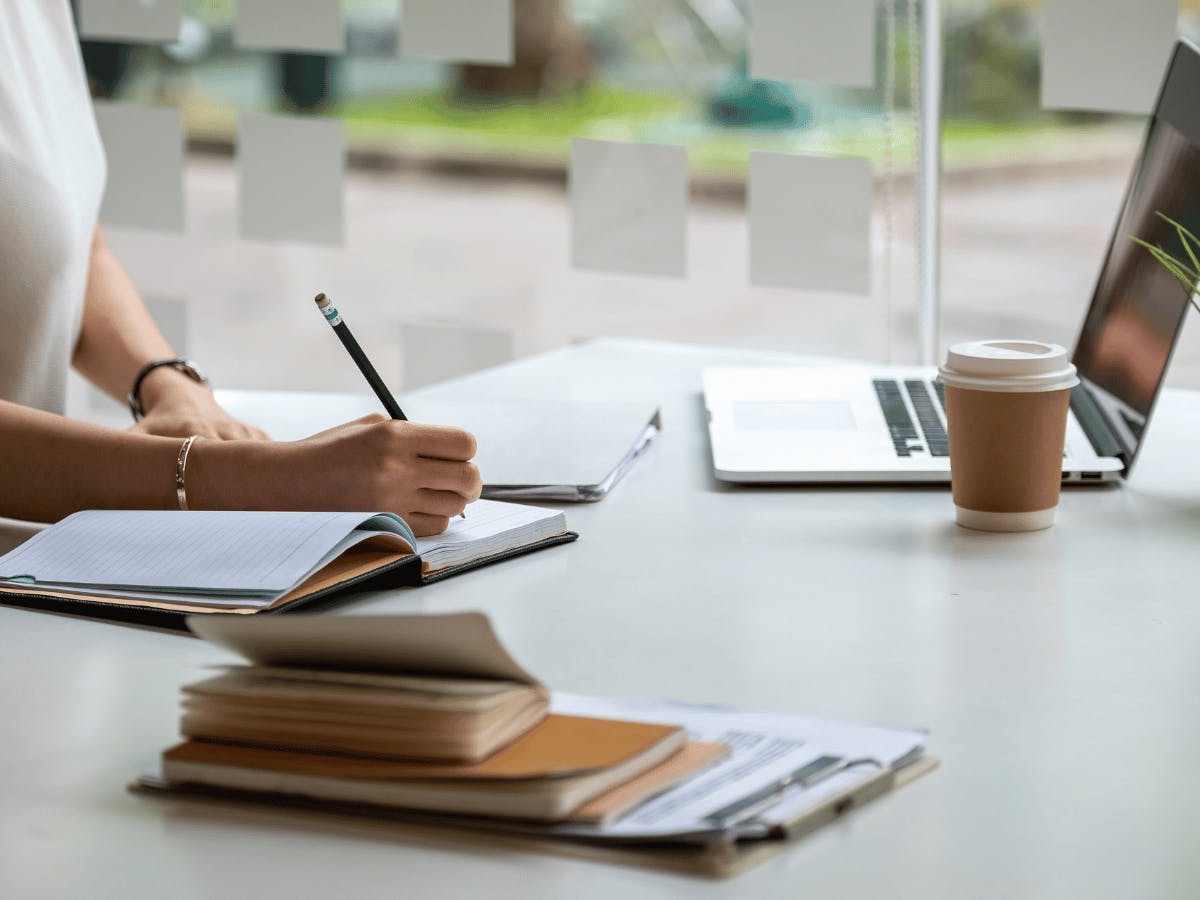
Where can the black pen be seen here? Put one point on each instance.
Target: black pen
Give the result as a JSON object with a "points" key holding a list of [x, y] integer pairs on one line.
{"points": [[334, 318], [342, 330]]}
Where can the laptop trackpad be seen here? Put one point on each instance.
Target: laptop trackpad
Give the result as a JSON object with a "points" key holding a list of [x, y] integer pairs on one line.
{"points": [[792, 415]]}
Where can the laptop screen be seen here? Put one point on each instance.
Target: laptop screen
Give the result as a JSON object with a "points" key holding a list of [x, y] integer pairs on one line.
{"points": [[1138, 309]]}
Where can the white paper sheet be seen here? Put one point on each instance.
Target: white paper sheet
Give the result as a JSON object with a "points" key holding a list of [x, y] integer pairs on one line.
{"points": [[313, 26], [1107, 55], [810, 222], [151, 21], [475, 31], [144, 148], [629, 207], [457, 644], [767, 747], [813, 40], [433, 353], [290, 173]]}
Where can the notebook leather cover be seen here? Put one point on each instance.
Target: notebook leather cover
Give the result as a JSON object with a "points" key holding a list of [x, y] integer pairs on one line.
{"points": [[371, 565], [558, 746]]}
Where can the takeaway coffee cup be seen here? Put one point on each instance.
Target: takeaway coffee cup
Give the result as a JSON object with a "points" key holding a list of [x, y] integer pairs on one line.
{"points": [[1006, 412]]}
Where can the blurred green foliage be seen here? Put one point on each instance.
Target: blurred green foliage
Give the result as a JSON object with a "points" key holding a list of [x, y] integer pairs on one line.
{"points": [[992, 63]]}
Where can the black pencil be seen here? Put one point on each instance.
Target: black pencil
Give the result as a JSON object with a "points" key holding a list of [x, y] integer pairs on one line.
{"points": [[334, 318]]}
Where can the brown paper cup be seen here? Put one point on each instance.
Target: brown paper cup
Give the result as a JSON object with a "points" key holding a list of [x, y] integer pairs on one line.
{"points": [[1006, 451]]}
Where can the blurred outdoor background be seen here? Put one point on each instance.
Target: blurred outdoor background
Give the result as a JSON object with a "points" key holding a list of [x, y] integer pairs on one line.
{"points": [[457, 225]]}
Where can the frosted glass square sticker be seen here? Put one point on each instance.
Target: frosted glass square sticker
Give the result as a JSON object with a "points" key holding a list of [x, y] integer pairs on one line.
{"points": [[290, 173], [810, 222], [629, 207], [144, 147], [144, 21], [312, 26], [435, 353], [824, 41], [1106, 55], [477, 31], [171, 316]]}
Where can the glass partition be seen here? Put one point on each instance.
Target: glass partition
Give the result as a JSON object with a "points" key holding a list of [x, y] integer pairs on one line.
{"points": [[458, 199]]}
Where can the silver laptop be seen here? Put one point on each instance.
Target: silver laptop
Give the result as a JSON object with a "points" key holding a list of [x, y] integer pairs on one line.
{"points": [[888, 424]]}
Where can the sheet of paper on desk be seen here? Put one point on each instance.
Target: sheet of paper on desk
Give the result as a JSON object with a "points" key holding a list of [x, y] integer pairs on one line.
{"points": [[766, 748]]}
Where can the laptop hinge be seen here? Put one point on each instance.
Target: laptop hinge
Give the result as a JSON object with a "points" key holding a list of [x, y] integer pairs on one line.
{"points": [[1095, 425]]}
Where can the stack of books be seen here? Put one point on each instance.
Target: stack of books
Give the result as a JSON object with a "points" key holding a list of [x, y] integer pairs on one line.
{"points": [[427, 720], [363, 710]]}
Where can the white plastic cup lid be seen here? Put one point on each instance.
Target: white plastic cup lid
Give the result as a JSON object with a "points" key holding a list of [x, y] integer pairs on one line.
{"points": [[1020, 366]]}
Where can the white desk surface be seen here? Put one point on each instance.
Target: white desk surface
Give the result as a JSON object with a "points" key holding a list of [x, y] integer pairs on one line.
{"points": [[1059, 673]]}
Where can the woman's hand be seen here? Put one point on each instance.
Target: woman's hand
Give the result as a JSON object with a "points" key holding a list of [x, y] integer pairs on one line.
{"points": [[202, 417], [176, 406], [423, 473]]}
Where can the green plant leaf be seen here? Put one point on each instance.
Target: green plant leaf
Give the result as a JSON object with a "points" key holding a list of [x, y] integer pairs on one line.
{"points": [[1186, 277], [1185, 237], [1177, 267], [1166, 258], [1178, 226]]}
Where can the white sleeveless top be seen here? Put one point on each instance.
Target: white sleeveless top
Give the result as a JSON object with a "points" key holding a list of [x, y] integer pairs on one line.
{"points": [[52, 175]]}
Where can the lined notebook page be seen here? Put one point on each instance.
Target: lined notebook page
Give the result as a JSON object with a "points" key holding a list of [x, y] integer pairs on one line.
{"points": [[490, 527], [197, 551]]}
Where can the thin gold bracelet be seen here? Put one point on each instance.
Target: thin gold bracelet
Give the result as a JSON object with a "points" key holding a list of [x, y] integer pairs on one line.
{"points": [[181, 469]]}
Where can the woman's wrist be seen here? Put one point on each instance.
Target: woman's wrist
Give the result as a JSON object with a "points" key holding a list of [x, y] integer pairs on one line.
{"points": [[236, 475], [167, 387]]}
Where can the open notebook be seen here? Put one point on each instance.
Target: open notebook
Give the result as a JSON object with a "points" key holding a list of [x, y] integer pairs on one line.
{"points": [[156, 566]]}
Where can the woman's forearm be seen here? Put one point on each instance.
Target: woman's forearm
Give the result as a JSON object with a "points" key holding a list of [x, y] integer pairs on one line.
{"points": [[51, 466], [117, 336]]}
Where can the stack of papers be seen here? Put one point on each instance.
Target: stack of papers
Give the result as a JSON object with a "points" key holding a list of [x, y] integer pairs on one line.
{"points": [[780, 768]]}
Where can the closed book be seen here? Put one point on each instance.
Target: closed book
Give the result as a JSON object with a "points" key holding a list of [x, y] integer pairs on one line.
{"points": [[459, 719], [435, 688], [556, 767]]}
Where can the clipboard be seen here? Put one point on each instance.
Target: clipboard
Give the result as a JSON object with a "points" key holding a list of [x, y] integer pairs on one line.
{"points": [[716, 860]]}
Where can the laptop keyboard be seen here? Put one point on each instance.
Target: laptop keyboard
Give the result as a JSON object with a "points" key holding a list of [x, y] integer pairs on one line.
{"points": [[935, 433], [906, 438]]}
